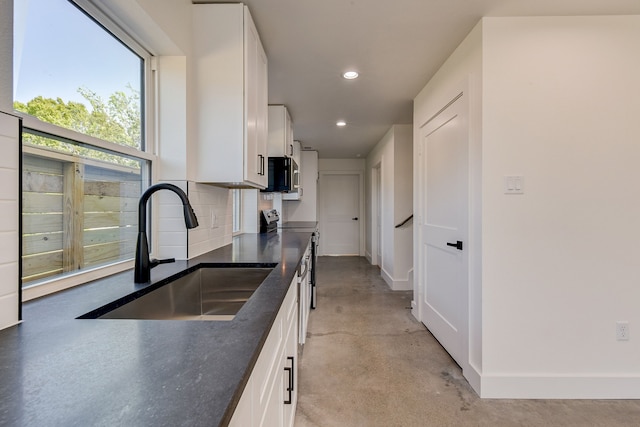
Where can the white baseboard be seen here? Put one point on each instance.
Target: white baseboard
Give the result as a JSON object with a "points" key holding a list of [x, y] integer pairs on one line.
{"points": [[396, 285], [474, 378], [414, 308], [558, 387], [367, 255]]}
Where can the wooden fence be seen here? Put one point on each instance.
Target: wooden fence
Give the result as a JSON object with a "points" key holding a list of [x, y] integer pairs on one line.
{"points": [[76, 215]]}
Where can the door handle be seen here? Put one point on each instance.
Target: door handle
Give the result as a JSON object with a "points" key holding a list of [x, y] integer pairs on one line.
{"points": [[291, 380], [457, 245], [355, 219]]}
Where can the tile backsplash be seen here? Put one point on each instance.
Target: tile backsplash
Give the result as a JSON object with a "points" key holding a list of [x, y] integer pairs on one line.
{"points": [[9, 238], [213, 207]]}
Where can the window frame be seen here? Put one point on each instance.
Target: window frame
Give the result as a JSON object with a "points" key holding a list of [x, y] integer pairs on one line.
{"points": [[147, 152]]}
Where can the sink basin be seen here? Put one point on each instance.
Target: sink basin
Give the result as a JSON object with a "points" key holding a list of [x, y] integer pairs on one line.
{"points": [[205, 294]]}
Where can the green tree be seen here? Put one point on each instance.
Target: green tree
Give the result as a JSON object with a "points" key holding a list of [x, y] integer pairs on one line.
{"points": [[117, 120]]}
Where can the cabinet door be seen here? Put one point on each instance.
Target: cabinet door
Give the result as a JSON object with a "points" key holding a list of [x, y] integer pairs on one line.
{"points": [[255, 66], [288, 140], [263, 114], [280, 132], [230, 79], [290, 380], [296, 149], [243, 415], [274, 380]]}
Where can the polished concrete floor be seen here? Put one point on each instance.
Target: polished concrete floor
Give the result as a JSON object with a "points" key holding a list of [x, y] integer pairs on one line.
{"points": [[368, 362]]}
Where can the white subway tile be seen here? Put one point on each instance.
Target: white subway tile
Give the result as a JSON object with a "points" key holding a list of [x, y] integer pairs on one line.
{"points": [[8, 215], [198, 249], [198, 235], [9, 281], [9, 147], [8, 310], [9, 187], [172, 238], [8, 247], [177, 252], [171, 224], [171, 211]]}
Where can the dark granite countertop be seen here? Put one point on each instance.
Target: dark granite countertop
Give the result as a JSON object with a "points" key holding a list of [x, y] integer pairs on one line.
{"points": [[59, 370], [311, 225]]}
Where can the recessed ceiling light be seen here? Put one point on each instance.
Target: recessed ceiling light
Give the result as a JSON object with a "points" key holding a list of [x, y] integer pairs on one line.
{"points": [[341, 123], [350, 75]]}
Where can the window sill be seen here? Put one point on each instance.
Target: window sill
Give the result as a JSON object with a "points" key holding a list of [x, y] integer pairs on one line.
{"points": [[41, 289]]}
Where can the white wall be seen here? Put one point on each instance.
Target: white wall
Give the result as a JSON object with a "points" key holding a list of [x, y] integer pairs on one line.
{"points": [[172, 119], [161, 26], [341, 165], [403, 207], [461, 71], [561, 107], [393, 155], [556, 100], [382, 157]]}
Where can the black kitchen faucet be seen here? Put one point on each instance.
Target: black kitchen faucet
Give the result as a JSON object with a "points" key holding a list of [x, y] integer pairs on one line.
{"points": [[143, 266]]}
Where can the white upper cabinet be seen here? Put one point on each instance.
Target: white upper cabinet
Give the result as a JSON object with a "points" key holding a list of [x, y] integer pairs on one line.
{"points": [[280, 132], [297, 152], [230, 91]]}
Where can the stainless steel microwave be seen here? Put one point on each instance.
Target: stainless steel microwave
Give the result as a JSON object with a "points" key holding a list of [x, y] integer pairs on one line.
{"points": [[284, 175]]}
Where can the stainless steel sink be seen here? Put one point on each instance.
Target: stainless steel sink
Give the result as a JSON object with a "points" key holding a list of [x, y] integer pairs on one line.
{"points": [[205, 294]]}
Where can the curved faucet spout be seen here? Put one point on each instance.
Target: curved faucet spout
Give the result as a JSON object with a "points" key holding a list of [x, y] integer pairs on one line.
{"points": [[143, 266]]}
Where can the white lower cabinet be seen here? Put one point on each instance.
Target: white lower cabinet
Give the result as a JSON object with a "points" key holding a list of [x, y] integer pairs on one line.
{"points": [[271, 395], [290, 369], [243, 415]]}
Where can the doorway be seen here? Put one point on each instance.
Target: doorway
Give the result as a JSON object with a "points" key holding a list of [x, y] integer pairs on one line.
{"points": [[443, 227], [341, 223], [376, 215]]}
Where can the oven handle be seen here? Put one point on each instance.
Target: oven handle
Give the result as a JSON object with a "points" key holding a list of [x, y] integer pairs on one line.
{"points": [[303, 275]]}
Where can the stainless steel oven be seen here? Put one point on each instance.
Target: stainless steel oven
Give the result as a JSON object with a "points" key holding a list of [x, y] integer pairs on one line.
{"points": [[315, 243], [308, 226], [304, 295]]}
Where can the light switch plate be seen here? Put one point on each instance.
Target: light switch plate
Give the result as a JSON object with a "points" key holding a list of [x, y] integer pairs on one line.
{"points": [[514, 184]]}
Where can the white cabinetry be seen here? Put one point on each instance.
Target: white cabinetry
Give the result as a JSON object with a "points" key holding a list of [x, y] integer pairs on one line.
{"points": [[290, 369], [297, 150], [280, 132], [271, 395], [230, 92]]}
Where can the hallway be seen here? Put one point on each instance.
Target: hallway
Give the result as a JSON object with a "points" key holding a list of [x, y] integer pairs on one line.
{"points": [[368, 362]]}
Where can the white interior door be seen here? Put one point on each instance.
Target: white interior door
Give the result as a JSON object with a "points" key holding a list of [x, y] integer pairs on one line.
{"points": [[444, 228], [340, 214]]}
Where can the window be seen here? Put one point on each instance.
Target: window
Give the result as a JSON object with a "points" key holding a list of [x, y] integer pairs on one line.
{"points": [[237, 210], [81, 86]]}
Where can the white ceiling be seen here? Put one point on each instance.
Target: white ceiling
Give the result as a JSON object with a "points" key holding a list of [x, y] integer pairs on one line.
{"points": [[395, 45]]}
